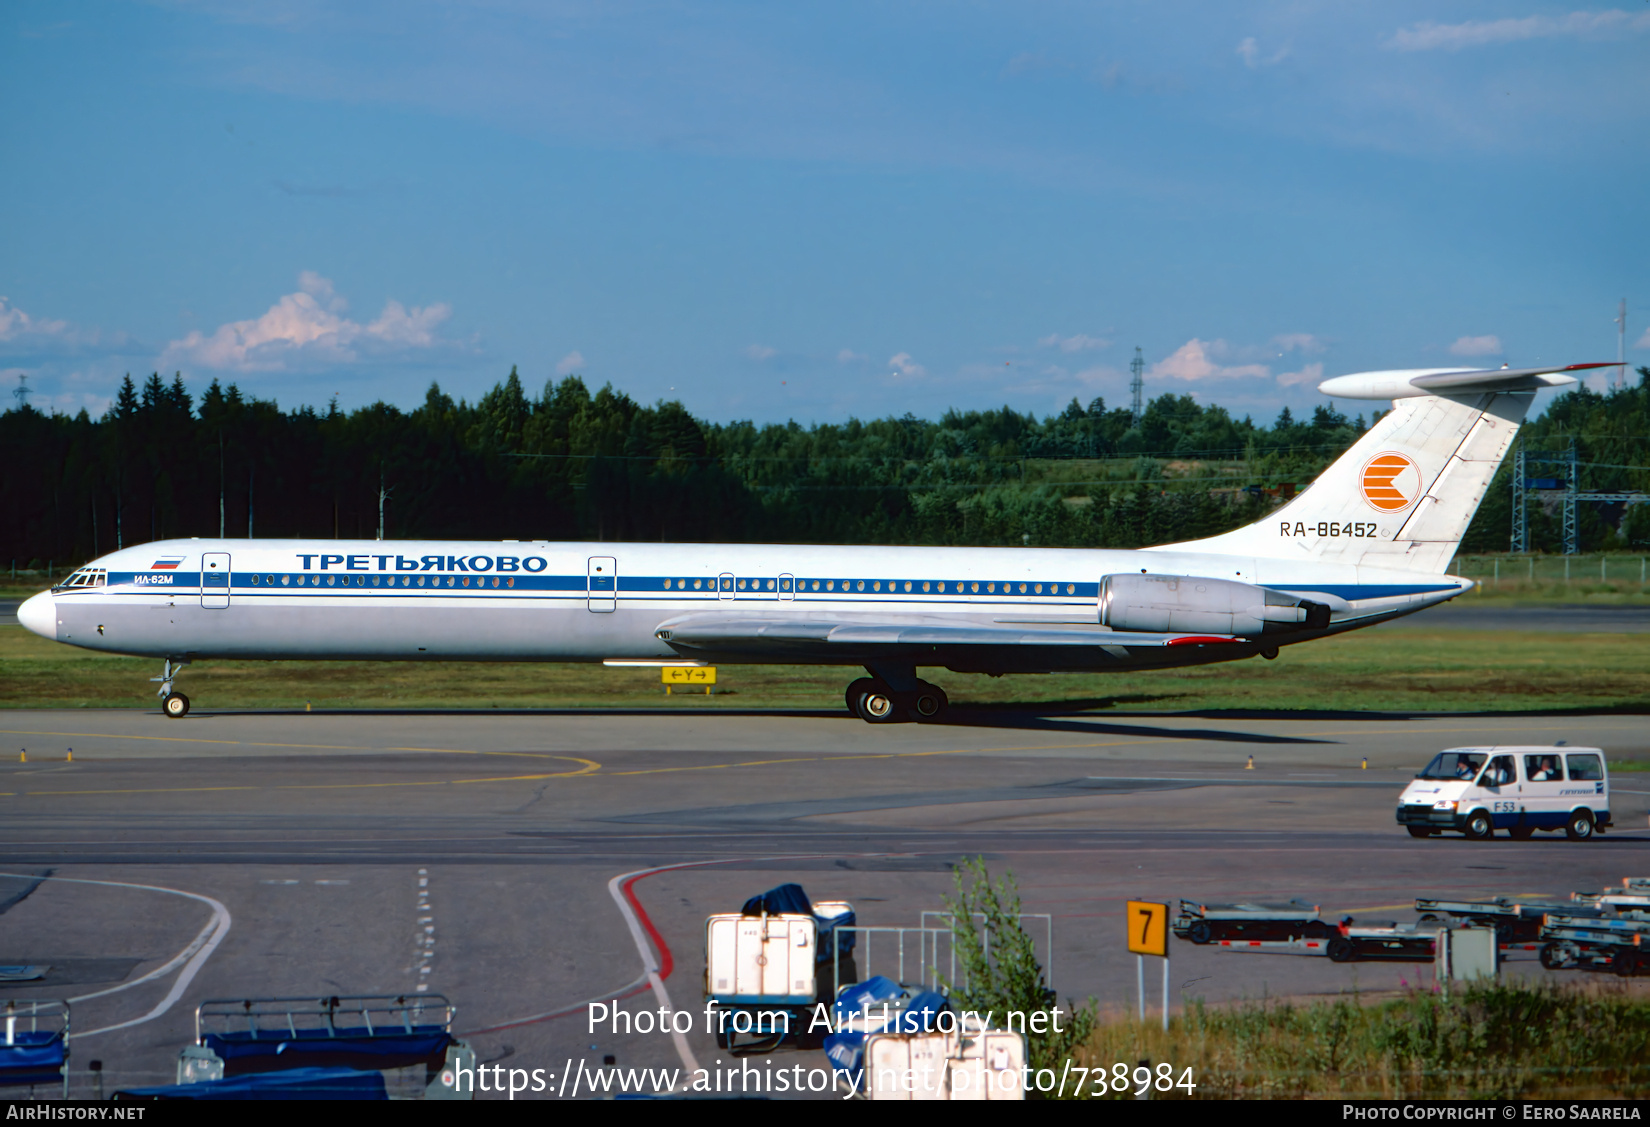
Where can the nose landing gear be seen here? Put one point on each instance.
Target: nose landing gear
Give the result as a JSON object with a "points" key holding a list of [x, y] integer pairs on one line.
{"points": [[174, 705]]}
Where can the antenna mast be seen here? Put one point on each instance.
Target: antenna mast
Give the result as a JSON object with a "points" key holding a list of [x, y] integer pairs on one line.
{"points": [[1137, 384], [23, 390], [1621, 345]]}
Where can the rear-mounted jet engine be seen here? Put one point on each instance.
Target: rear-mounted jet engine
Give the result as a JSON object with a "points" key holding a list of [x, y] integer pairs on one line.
{"points": [[1172, 604]]}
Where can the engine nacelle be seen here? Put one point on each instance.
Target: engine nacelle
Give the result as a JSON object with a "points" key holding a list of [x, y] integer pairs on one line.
{"points": [[1176, 604]]}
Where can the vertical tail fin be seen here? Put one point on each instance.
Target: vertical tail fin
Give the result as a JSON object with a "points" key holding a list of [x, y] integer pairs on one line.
{"points": [[1402, 497]]}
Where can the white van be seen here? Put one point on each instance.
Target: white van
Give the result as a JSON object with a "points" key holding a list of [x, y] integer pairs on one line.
{"points": [[1478, 790]]}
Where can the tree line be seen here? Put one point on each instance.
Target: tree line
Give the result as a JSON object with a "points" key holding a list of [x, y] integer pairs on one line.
{"points": [[575, 464]]}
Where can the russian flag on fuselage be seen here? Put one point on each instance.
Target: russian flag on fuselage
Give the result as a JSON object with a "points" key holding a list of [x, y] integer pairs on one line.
{"points": [[166, 563]]}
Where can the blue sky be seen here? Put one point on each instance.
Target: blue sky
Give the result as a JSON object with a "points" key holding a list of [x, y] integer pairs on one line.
{"points": [[813, 211]]}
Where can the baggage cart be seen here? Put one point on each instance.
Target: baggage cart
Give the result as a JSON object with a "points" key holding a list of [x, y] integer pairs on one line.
{"points": [[407, 1034], [1516, 923], [761, 977], [34, 1044], [1634, 894], [1622, 946], [877, 1005], [1255, 925], [971, 1063], [1393, 942], [791, 899]]}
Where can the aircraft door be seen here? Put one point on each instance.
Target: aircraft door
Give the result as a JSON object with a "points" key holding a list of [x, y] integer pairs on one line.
{"points": [[787, 587], [603, 586], [724, 585], [215, 580]]}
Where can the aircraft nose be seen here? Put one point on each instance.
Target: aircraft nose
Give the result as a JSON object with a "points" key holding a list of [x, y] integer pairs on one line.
{"points": [[39, 614]]}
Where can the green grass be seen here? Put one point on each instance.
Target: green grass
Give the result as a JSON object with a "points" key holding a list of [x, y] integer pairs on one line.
{"points": [[1501, 1041], [1409, 670], [1621, 579]]}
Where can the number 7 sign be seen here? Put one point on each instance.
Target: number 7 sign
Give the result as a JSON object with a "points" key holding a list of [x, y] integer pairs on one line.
{"points": [[1148, 928]]}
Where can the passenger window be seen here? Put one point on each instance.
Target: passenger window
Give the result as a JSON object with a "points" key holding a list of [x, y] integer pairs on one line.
{"points": [[1542, 769], [1499, 773], [1586, 768]]}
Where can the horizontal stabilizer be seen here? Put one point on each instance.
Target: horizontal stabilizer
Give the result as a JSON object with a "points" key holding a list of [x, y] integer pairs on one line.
{"points": [[1407, 383]]}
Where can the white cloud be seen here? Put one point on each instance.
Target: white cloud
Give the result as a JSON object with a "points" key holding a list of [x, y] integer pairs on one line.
{"points": [[572, 362], [1195, 360], [1476, 346], [1310, 374], [16, 324], [849, 356], [307, 329], [1429, 36], [414, 329], [1078, 342], [1644, 341], [22, 333], [1305, 342], [760, 352], [1249, 51], [903, 365], [321, 290]]}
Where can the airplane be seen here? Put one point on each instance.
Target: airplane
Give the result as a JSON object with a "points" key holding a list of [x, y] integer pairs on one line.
{"points": [[1368, 541]]}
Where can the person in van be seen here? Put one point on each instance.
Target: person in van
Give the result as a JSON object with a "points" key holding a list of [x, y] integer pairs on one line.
{"points": [[1545, 769], [1499, 773]]}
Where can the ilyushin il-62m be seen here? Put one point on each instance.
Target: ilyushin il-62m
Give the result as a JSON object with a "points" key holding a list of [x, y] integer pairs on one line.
{"points": [[1369, 540]]}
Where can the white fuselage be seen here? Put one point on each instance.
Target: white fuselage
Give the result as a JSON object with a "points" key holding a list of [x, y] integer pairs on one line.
{"points": [[546, 601]]}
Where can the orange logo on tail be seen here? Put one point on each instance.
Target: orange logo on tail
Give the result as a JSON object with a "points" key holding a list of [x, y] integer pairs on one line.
{"points": [[1391, 482]]}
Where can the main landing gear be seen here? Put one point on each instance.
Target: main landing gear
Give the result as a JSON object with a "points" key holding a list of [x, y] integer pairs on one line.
{"points": [[175, 705], [894, 696]]}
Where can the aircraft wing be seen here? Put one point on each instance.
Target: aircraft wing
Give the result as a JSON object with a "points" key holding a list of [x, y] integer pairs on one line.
{"points": [[859, 638]]}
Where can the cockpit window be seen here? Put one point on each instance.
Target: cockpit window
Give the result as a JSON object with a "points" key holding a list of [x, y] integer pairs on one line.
{"points": [[85, 577], [1453, 765]]}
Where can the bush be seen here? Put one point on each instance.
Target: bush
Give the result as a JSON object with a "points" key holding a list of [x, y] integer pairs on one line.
{"points": [[1000, 971]]}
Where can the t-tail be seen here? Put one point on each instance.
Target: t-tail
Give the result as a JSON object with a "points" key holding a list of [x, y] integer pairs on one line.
{"points": [[1402, 497]]}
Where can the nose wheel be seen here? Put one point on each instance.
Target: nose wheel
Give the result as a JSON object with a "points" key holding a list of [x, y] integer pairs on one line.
{"points": [[174, 705]]}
